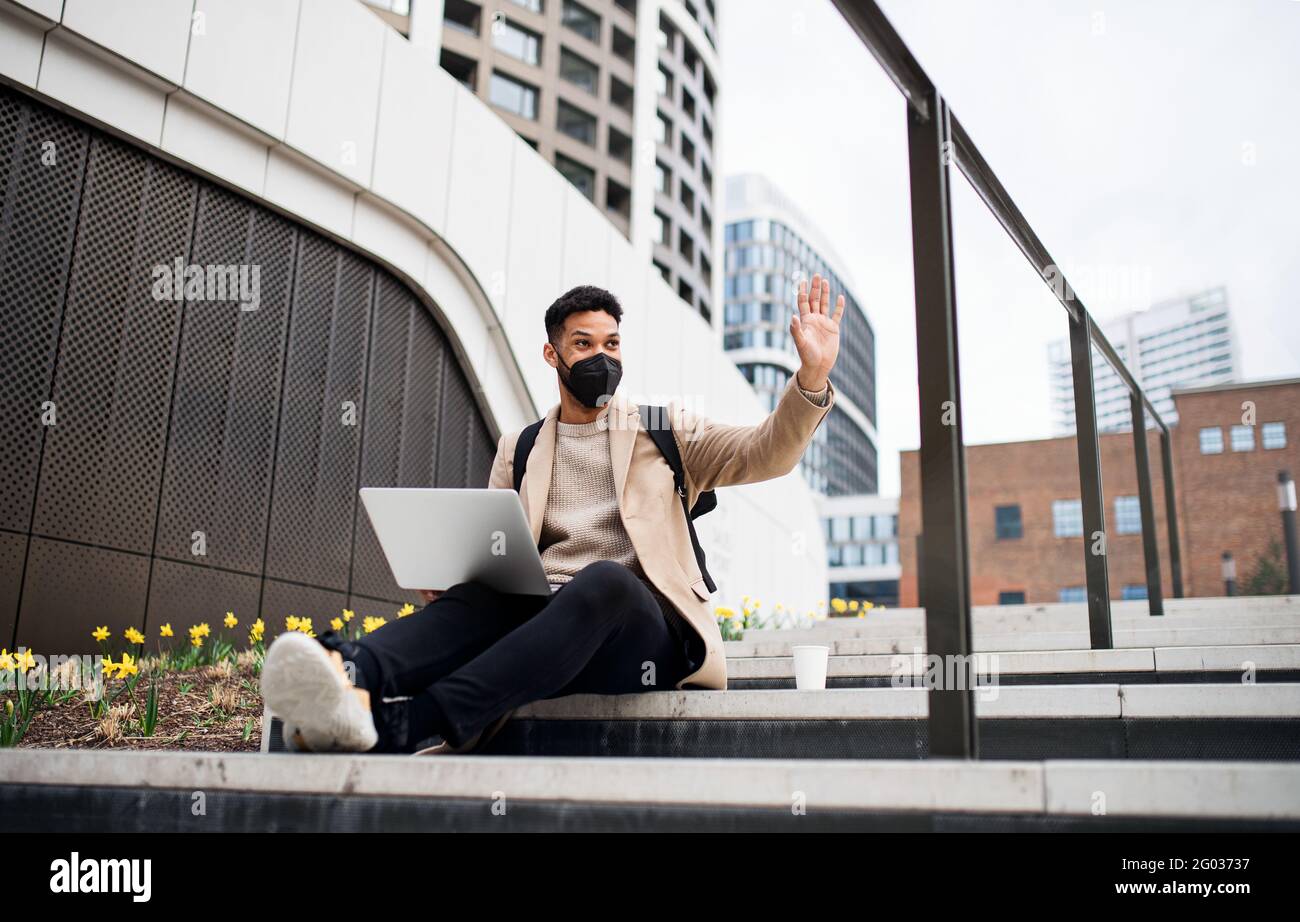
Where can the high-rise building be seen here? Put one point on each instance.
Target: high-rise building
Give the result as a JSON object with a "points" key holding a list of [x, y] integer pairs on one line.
{"points": [[1183, 342], [770, 247], [619, 95]]}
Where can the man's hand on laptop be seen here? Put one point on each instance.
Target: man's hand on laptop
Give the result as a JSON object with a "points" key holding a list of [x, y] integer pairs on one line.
{"points": [[430, 595]]}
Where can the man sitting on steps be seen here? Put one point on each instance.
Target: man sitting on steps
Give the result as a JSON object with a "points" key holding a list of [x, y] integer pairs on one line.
{"points": [[628, 610]]}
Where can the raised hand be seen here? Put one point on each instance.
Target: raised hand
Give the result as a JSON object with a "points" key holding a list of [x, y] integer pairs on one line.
{"points": [[816, 333]]}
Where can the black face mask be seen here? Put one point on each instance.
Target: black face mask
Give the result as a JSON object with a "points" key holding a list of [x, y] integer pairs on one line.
{"points": [[592, 379]]}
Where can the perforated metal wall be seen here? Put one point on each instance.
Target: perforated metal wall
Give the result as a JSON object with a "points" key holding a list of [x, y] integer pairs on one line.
{"points": [[137, 428]]}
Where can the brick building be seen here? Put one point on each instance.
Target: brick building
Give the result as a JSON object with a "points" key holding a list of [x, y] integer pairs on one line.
{"points": [[1025, 520], [1225, 476]]}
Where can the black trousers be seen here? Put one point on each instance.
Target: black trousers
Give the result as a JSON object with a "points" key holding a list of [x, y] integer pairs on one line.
{"points": [[475, 653]]}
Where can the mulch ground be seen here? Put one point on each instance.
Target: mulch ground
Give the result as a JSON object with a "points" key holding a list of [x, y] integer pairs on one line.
{"points": [[208, 708]]}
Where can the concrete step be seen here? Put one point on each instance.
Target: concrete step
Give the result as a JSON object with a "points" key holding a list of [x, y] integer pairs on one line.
{"points": [[1185, 721], [757, 643], [1260, 611], [1276, 662], [124, 791]]}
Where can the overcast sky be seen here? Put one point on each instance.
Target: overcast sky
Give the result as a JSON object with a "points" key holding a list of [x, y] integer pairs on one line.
{"points": [[1153, 144]]}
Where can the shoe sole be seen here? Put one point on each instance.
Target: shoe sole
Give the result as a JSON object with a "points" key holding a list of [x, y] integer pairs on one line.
{"points": [[444, 748], [302, 686]]}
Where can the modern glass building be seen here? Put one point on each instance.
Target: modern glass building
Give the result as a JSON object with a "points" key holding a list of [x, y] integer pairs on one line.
{"points": [[770, 247], [1184, 342]]}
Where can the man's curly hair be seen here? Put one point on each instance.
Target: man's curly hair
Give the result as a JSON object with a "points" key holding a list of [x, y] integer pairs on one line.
{"points": [[575, 300]]}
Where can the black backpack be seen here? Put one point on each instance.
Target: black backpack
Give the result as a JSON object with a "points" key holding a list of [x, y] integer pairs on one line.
{"points": [[667, 445]]}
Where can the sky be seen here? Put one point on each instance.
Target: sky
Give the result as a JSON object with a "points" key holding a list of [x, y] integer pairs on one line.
{"points": [[1154, 146]]}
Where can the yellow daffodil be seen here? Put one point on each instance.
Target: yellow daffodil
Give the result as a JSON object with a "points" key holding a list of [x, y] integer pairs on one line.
{"points": [[348, 614], [166, 630], [231, 620], [101, 633], [196, 641], [127, 666], [839, 605], [291, 623], [723, 611], [200, 630], [372, 623], [853, 606], [23, 660], [134, 636], [6, 661], [336, 624], [109, 666], [407, 609]]}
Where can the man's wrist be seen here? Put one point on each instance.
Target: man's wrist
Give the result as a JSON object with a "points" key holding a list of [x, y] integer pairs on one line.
{"points": [[803, 380]]}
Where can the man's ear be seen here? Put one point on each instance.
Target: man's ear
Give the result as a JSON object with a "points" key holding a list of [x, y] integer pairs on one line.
{"points": [[549, 355]]}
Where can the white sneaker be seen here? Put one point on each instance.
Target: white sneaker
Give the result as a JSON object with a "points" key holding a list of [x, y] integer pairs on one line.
{"points": [[303, 687]]}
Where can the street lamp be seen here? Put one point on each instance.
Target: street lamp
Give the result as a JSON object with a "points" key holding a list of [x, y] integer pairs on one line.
{"points": [[1286, 505], [1229, 570]]}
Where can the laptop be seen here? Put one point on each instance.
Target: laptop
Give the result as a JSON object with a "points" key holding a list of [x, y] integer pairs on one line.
{"points": [[435, 538]]}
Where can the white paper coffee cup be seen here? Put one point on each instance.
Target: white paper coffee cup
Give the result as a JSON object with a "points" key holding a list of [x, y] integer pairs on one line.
{"points": [[810, 665]]}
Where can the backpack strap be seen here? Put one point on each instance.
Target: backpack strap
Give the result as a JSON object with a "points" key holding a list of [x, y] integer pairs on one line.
{"points": [[524, 447], [662, 436]]}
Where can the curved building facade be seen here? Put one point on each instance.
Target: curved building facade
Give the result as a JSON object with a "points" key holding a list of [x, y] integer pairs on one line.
{"points": [[173, 457]]}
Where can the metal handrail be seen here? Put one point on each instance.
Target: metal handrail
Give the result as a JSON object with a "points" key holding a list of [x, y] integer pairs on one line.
{"points": [[936, 138]]}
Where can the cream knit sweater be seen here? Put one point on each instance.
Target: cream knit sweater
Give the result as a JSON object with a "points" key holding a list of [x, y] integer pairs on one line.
{"points": [[582, 524]]}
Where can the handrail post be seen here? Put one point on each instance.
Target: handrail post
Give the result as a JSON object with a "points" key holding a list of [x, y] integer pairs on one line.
{"points": [[1091, 498], [1150, 549], [1171, 513], [944, 584]]}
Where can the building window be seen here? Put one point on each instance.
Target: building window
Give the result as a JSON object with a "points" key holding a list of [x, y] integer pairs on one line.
{"points": [[663, 230], [686, 246], [1243, 438], [1067, 518], [663, 178], [1211, 440], [1273, 435], [579, 71], [886, 525], [575, 123], [462, 15], [664, 82], [840, 529], [1072, 594], [513, 96], [516, 41], [534, 5], [1011, 597], [583, 177], [687, 196], [1134, 591], [1128, 515], [581, 20], [861, 527], [664, 130], [1007, 522]]}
